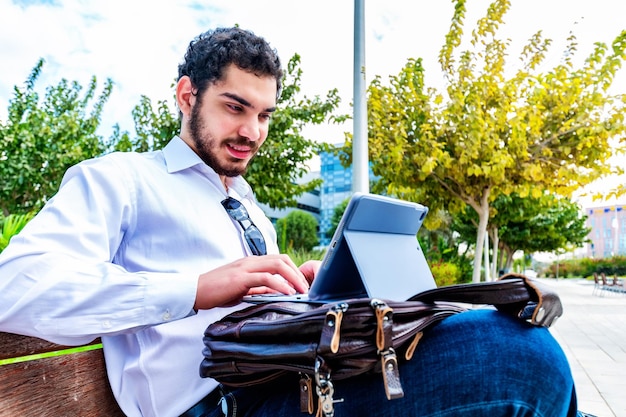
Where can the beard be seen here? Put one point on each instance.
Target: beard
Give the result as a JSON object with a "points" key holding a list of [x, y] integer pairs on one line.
{"points": [[206, 146]]}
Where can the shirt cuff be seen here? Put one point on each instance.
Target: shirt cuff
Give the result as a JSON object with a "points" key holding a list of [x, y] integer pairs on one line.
{"points": [[170, 296]]}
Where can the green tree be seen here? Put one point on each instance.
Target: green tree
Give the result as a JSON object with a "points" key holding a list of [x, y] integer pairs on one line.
{"points": [[545, 224], [153, 129], [491, 133], [297, 231], [530, 224], [40, 140]]}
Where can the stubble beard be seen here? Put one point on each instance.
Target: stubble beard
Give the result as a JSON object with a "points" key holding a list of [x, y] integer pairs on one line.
{"points": [[206, 146]]}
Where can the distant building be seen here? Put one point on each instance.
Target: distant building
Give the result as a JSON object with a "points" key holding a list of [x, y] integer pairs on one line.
{"points": [[336, 187], [308, 202], [608, 231]]}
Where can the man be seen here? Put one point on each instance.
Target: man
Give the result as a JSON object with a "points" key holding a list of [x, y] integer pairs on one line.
{"points": [[146, 250]]}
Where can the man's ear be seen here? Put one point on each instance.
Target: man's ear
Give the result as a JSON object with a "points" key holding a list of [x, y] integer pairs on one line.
{"points": [[184, 95]]}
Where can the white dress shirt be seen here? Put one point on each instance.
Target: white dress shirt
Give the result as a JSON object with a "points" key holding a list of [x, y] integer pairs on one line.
{"points": [[116, 254]]}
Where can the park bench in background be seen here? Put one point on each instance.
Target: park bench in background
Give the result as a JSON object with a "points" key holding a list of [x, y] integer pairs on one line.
{"points": [[616, 281], [68, 385], [597, 284], [601, 284], [616, 286]]}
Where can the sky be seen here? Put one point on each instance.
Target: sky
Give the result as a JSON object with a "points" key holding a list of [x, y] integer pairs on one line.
{"points": [[139, 43]]}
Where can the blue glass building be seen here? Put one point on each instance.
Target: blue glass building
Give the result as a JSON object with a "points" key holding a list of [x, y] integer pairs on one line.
{"points": [[336, 187]]}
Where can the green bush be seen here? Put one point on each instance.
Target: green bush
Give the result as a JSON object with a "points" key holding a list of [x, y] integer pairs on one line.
{"points": [[297, 231], [11, 225], [446, 273], [585, 267]]}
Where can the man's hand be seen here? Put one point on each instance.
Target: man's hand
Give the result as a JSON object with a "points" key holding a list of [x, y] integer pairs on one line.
{"points": [[309, 269], [227, 284]]}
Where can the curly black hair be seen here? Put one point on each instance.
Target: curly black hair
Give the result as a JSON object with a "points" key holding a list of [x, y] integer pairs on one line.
{"points": [[212, 51]]}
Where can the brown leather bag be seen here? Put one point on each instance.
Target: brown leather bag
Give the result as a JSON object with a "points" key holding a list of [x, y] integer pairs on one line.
{"points": [[343, 339]]}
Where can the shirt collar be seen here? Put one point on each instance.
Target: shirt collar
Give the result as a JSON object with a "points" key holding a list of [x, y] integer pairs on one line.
{"points": [[179, 157]]}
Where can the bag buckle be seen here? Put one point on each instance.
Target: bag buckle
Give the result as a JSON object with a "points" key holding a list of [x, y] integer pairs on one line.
{"points": [[325, 390], [384, 344]]}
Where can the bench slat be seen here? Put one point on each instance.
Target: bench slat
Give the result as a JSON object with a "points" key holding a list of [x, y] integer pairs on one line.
{"points": [[70, 385]]}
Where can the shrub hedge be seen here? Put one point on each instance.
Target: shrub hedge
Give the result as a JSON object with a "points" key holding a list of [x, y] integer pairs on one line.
{"points": [[585, 267]]}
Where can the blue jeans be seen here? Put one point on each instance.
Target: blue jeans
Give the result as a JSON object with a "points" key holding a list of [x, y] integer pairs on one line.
{"points": [[478, 363]]}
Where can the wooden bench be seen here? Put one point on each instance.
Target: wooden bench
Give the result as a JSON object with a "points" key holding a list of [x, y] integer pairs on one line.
{"points": [[68, 385]]}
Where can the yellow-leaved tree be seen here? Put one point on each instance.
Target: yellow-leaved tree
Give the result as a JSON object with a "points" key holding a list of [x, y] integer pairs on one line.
{"points": [[495, 131]]}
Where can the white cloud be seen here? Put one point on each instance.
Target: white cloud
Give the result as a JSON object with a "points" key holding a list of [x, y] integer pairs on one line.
{"points": [[139, 43]]}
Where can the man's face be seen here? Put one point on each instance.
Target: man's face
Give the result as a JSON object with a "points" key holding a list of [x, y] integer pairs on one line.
{"points": [[228, 124]]}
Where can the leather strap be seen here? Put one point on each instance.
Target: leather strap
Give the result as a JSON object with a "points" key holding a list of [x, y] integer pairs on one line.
{"points": [[513, 293], [504, 291]]}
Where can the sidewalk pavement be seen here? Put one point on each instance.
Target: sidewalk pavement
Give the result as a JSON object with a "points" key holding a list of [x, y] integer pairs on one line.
{"points": [[592, 333]]}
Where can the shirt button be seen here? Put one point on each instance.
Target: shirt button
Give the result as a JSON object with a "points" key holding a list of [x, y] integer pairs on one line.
{"points": [[106, 324], [167, 316]]}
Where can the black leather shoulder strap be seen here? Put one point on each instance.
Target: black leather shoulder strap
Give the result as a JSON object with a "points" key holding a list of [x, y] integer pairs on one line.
{"points": [[509, 290], [514, 294]]}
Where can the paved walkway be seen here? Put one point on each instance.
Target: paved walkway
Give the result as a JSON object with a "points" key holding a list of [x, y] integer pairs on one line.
{"points": [[592, 333]]}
